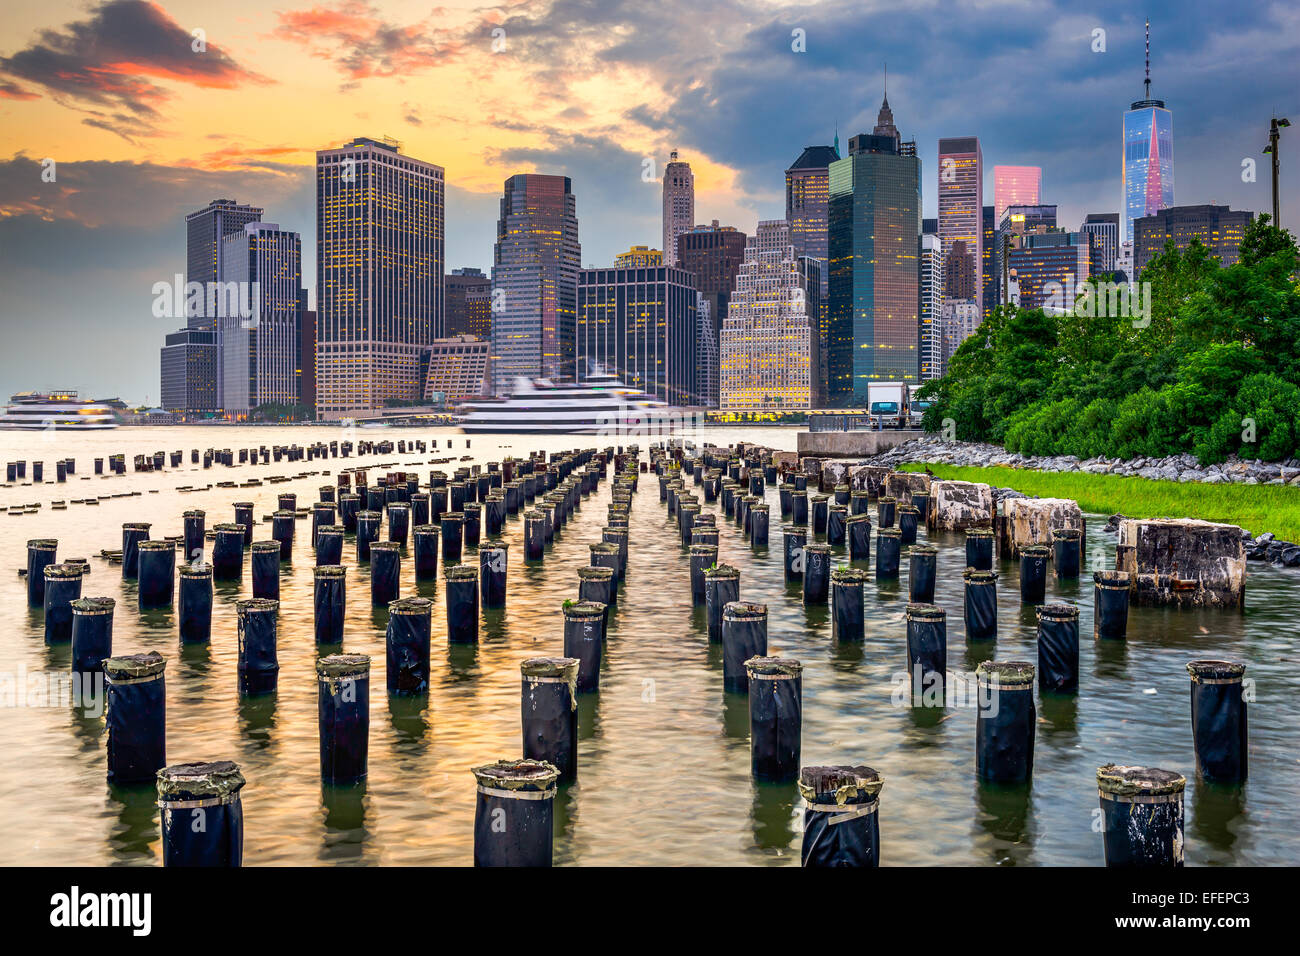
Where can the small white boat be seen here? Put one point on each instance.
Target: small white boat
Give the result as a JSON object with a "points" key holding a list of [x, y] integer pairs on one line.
{"points": [[62, 411]]}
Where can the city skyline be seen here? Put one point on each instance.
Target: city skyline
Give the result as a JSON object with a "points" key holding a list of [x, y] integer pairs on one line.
{"points": [[128, 164]]}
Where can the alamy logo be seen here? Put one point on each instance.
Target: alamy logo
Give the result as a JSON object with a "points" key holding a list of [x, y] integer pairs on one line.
{"points": [[74, 909], [211, 300]]}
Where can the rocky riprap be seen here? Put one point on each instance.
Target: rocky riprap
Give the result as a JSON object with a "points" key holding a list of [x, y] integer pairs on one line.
{"points": [[1182, 468], [1173, 468]]}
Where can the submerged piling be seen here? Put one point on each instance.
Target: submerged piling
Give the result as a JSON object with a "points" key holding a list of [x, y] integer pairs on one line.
{"points": [[922, 571], [62, 587], [493, 561], [816, 573], [329, 603], [1142, 810], [259, 665], [462, 604], [133, 532], [265, 563], [847, 606], [202, 817], [514, 813], [92, 633], [980, 605], [1033, 573], [40, 555], [927, 653], [889, 552], [721, 587], [744, 635], [841, 825], [1005, 721], [584, 638], [367, 533], [858, 532], [549, 711], [1219, 726], [343, 716], [775, 717], [136, 699], [385, 572], [979, 549], [1110, 592], [597, 585], [1058, 647], [406, 645]]}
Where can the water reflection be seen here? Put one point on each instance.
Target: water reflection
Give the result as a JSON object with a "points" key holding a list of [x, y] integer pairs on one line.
{"points": [[1218, 813], [131, 840], [773, 814], [345, 835], [1004, 822]]}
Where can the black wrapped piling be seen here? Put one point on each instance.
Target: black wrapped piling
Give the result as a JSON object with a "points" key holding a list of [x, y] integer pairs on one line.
{"points": [[859, 502], [848, 621], [889, 552], [799, 508], [921, 502], [62, 587], [40, 555], [494, 515], [1219, 728], [462, 604], [1110, 591], [259, 664], [156, 568], [265, 564], [424, 544], [534, 535], [759, 520], [842, 494], [195, 603], [927, 652], [452, 528], [282, 523], [399, 521], [922, 571], [980, 607], [886, 510], [597, 585], [322, 516], [132, 534], [785, 495], [1142, 809], [349, 507], [195, 523], [329, 603], [385, 572], [721, 587], [1058, 647], [329, 545], [407, 642], [228, 552], [584, 637], [471, 524], [343, 711], [244, 518], [841, 825], [979, 549], [419, 509], [1004, 721], [1066, 544], [287, 501], [493, 561], [775, 717], [858, 532], [549, 708], [514, 813], [836, 525], [367, 533], [202, 817], [136, 697], [1033, 573], [908, 515], [795, 540], [92, 633], [819, 507], [606, 555], [702, 556], [617, 537], [816, 573], [744, 636]]}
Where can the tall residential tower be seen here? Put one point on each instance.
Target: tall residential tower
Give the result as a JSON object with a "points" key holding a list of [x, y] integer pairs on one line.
{"points": [[679, 205]]}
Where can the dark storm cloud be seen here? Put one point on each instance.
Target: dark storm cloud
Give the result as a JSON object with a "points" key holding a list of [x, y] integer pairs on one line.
{"points": [[111, 59]]}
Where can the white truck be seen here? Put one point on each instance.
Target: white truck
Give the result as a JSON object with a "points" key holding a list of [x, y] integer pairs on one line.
{"points": [[889, 404], [918, 406]]}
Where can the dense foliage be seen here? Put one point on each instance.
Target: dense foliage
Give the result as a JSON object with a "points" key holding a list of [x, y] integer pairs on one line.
{"points": [[1216, 371]]}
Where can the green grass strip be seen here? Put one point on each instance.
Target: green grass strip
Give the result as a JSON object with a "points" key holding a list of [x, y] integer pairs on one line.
{"points": [[1258, 508]]}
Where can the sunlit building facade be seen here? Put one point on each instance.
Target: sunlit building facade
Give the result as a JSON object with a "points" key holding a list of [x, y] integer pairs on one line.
{"points": [[1218, 227], [379, 274], [874, 246], [678, 205], [713, 254], [961, 203], [458, 369], [639, 257], [1016, 186], [770, 341], [468, 295], [641, 324], [535, 280]]}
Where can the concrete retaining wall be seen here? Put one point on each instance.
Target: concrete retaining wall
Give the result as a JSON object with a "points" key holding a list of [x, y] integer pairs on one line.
{"points": [[854, 444]]}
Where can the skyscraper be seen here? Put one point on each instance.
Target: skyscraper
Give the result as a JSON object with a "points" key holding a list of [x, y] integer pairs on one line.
{"points": [[1148, 155], [930, 310], [535, 280], [379, 274], [1049, 266], [989, 262], [961, 202], [1218, 227], [469, 304], [679, 205], [1105, 227], [807, 209], [1015, 186], [713, 255], [204, 230], [642, 325], [874, 250], [259, 358], [770, 339]]}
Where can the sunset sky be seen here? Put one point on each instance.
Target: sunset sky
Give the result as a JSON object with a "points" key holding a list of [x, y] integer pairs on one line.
{"points": [[142, 128]]}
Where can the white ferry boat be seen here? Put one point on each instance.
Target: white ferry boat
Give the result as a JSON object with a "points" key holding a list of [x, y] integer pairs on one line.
{"points": [[63, 411], [600, 404]]}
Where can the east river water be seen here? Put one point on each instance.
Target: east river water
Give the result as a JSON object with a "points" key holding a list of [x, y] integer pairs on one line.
{"points": [[664, 767]]}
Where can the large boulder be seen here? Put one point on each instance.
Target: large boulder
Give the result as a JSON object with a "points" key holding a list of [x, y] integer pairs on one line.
{"points": [[1027, 521], [959, 505], [901, 485], [1183, 561]]}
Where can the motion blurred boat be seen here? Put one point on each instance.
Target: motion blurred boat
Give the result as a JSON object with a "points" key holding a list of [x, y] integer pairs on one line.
{"points": [[63, 411], [599, 404]]}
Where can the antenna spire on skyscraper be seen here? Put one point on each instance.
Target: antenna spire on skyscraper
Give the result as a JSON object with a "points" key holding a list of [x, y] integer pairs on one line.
{"points": [[1147, 82]]}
